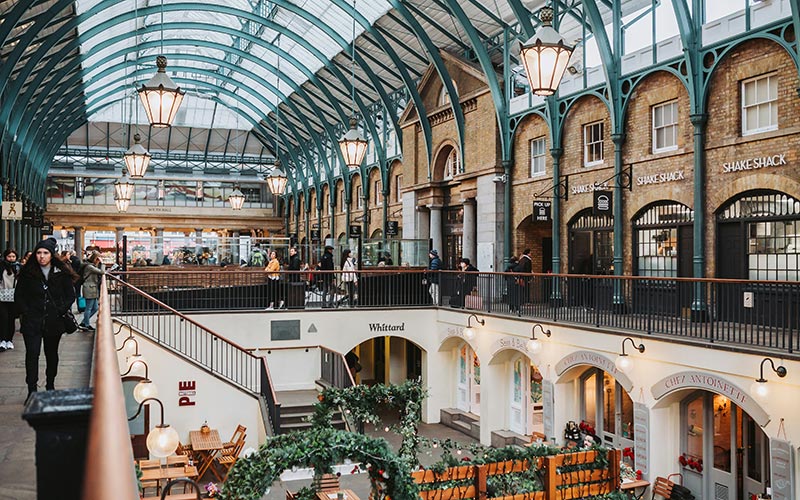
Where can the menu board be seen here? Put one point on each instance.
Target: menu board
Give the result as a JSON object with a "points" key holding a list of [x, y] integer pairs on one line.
{"points": [[641, 432], [781, 469], [548, 416]]}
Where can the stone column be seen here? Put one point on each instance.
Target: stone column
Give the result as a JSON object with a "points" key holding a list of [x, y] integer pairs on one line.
{"points": [[158, 255], [436, 228], [469, 244], [235, 248], [198, 242], [122, 258], [78, 230]]}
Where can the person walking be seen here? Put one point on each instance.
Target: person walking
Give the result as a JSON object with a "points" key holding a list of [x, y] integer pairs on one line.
{"points": [[435, 264], [349, 276], [8, 282], [93, 269], [274, 275], [294, 265], [45, 291], [326, 264], [523, 267]]}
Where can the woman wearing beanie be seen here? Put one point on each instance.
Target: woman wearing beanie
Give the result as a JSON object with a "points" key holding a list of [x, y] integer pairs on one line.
{"points": [[44, 292], [9, 268]]}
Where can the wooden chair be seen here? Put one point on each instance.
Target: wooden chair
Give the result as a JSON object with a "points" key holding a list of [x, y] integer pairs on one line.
{"points": [[663, 488], [327, 482], [177, 461], [237, 434], [227, 459], [155, 485]]}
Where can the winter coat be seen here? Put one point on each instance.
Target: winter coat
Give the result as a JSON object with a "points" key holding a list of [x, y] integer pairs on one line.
{"points": [[41, 303], [272, 268], [524, 265], [435, 265], [91, 281]]}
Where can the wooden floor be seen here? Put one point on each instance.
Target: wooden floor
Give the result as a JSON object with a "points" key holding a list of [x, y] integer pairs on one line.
{"points": [[17, 439]]}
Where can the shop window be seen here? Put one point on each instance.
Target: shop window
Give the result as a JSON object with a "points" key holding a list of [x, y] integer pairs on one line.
{"points": [[452, 165], [593, 144], [607, 407], [398, 183], [659, 232], [760, 104], [359, 197], [538, 152], [665, 127]]}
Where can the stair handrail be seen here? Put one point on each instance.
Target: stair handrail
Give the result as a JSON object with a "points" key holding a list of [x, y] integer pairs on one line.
{"points": [[260, 384]]}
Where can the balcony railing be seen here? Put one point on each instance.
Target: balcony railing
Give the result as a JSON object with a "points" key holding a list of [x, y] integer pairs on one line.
{"points": [[760, 314]]}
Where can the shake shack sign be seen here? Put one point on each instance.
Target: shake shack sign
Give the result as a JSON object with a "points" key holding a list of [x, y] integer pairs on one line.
{"points": [[756, 163]]}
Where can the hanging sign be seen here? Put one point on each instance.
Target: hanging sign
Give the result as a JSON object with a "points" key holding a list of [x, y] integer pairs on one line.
{"points": [[603, 203], [47, 227], [641, 433], [12, 210], [355, 231], [315, 235], [392, 228], [27, 216], [781, 469], [548, 409], [542, 211], [38, 219]]}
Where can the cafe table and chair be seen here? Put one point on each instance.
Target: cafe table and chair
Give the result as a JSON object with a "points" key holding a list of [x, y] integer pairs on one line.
{"points": [[334, 495], [205, 446]]}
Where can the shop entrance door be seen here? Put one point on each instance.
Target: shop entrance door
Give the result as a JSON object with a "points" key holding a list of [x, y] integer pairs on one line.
{"points": [[462, 390], [518, 401]]}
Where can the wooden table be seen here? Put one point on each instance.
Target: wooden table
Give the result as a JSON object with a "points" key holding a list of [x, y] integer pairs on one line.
{"points": [[159, 473], [331, 495], [205, 445], [630, 488]]}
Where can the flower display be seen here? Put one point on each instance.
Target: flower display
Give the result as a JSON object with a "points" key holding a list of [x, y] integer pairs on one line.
{"points": [[212, 490]]}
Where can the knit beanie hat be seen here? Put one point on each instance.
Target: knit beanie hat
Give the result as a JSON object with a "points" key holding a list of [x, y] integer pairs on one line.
{"points": [[49, 244]]}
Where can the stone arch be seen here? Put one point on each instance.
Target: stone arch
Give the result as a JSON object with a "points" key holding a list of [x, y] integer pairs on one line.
{"points": [[532, 126], [645, 80], [765, 181], [693, 380], [440, 159]]}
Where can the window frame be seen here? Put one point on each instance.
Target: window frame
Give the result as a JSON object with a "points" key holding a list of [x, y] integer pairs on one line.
{"points": [[359, 196], [587, 144], [743, 109], [654, 129], [533, 157], [448, 175], [398, 184], [376, 185]]}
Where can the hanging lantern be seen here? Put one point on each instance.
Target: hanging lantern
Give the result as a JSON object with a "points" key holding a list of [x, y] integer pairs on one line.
{"points": [[123, 187], [161, 97], [137, 159], [353, 146], [236, 199], [545, 56], [122, 204], [276, 180]]}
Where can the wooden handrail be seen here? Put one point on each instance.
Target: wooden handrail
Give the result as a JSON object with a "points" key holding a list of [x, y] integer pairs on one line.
{"points": [[109, 471]]}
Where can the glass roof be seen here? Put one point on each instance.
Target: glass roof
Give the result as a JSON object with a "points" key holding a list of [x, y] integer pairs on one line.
{"points": [[195, 42]]}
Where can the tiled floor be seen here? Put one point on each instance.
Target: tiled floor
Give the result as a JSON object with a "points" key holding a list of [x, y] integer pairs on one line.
{"points": [[17, 439]]}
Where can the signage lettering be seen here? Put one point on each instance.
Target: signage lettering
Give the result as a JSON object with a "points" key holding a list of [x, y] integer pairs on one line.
{"points": [[588, 188], [594, 359], [754, 163], [516, 343], [392, 228], [782, 469], [542, 211], [186, 390], [660, 178], [548, 410], [641, 432], [159, 209], [385, 327]]}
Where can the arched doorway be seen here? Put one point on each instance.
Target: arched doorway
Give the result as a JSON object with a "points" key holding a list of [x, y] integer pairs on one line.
{"points": [[591, 243], [538, 236], [388, 359], [607, 407], [724, 452], [525, 403]]}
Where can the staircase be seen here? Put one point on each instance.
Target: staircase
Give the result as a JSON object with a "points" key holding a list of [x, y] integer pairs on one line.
{"points": [[297, 407], [466, 423]]}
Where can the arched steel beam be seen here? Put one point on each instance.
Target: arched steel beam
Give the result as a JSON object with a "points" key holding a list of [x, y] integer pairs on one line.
{"points": [[523, 16], [500, 109], [438, 64], [610, 62]]}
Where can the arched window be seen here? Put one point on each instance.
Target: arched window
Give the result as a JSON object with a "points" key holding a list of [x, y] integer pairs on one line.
{"points": [[452, 165], [663, 240], [444, 97]]}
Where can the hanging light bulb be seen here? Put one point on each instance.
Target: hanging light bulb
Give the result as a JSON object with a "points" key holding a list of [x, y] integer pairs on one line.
{"points": [[236, 199], [276, 180], [759, 387], [145, 389], [624, 362], [469, 331], [123, 187], [161, 96], [545, 56], [352, 143], [534, 345], [137, 159]]}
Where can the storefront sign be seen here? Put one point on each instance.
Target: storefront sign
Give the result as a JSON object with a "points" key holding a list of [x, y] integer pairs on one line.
{"points": [[781, 469], [392, 228], [387, 327], [315, 235], [542, 211], [588, 188], [548, 409], [603, 203], [641, 432], [712, 383], [754, 163], [160, 209], [12, 210], [503, 343], [660, 178], [186, 392], [589, 358], [47, 227], [355, 231]]}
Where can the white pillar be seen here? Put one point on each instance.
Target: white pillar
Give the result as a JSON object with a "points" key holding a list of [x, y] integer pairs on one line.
{"points": [[436, 227], [469, 249], [198, 241], [159, 246]]}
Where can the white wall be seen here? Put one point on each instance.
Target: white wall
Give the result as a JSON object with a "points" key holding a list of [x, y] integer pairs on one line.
{"points": [[221, 404]]}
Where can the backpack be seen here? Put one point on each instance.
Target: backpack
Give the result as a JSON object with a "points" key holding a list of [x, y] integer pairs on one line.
{"points": [[257, 259]]}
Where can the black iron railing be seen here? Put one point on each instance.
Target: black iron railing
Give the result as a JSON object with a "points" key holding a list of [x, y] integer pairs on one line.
{"points": [[750, 313], [172, 329]]}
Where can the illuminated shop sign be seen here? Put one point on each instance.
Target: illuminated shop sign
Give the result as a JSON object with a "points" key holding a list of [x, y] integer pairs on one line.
{"points": [[754, 163]]}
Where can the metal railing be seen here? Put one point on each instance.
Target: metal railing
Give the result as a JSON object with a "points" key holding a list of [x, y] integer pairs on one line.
{"points": [[109, 471], [334, 370], [761, 314], [168, 327]]}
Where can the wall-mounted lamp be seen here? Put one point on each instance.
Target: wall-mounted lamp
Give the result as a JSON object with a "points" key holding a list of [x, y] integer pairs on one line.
{"points": [[469, 331], [535, 345], [624, 362], [162, 440], [145, 388], [759, 388], [131, 350]]}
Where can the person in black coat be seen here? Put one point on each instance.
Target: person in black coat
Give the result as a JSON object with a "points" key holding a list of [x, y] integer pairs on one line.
{"points": [[524, 266], [45, 291], [294, 265], [326, 264], [9, 269]]}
